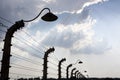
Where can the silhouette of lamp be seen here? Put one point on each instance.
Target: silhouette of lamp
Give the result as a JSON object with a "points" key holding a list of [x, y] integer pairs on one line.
{"points": [[47, 17], [78, 61], [8, 38]]}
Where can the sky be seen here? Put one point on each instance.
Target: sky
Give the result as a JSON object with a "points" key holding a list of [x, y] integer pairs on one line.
{"points": [[86, 29]]}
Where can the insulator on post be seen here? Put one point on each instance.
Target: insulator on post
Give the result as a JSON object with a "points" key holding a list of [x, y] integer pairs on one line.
{"points": [[2, 49]]}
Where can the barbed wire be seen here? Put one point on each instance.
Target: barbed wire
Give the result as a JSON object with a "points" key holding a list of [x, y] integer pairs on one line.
{"points": [[6, 20], [29, 45], [24, 74], [26, 60], [38, 62], [23, 49]]}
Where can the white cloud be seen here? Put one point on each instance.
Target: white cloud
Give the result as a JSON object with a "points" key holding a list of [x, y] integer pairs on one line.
{"points": [[69, 32], [78, 38]]}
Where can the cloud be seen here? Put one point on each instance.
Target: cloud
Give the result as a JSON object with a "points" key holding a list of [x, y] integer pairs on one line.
{"points": [[64, 19], [26, 9], [73, 27], [61, 6], [15, 10], [77, 38], [96, 47], [67, 10]]}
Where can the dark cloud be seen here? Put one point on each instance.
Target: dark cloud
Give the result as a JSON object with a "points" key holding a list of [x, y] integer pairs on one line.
{"points": [[16, 10]]}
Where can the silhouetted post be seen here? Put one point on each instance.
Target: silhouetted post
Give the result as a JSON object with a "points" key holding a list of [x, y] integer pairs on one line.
{"points": [[8, 38], [59, 67], [81, 75], [67, 70], [87, 76], [72, 72], [45, 62], [7, 49], [76, 73]]}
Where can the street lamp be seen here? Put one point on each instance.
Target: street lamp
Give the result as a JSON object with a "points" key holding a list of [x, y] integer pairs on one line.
{"points": [[78, 61], [8, 38], [47, 17]]}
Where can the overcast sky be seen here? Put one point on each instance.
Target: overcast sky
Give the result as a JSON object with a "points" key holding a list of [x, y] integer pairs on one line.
{"points": [[86, 29]]}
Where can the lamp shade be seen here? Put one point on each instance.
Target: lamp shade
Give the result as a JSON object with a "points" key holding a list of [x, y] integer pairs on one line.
{"points": [[49, 17], [80, 62]]}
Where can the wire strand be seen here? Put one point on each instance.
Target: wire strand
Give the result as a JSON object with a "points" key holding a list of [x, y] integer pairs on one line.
{"points": [[23, 74], [34, 39], [29, 45], [23, 49], [26, 60], [26, 67], [20, 37], [6, 20]]}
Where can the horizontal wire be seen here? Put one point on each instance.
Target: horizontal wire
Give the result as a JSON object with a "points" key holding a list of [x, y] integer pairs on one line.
{"points": [[23, 74], [29, 45], [27, 41], [6, 20], [49, 67], [52, 58], [56, 57], [64, 65], [1, 37], [26, 60], [54, 74], [3, 31], [23, 49], [26, 67], [63, 68], [3, 25], [53, 63], [63, 71], [34, 39], [18, 77]]}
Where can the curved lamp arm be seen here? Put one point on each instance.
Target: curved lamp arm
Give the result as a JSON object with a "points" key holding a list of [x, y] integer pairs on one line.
{"points": [[78, 61], [53, 17]]}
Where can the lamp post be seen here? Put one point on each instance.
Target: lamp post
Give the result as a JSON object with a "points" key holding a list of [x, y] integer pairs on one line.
{"points": [[8, 38], [78, 61]]}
